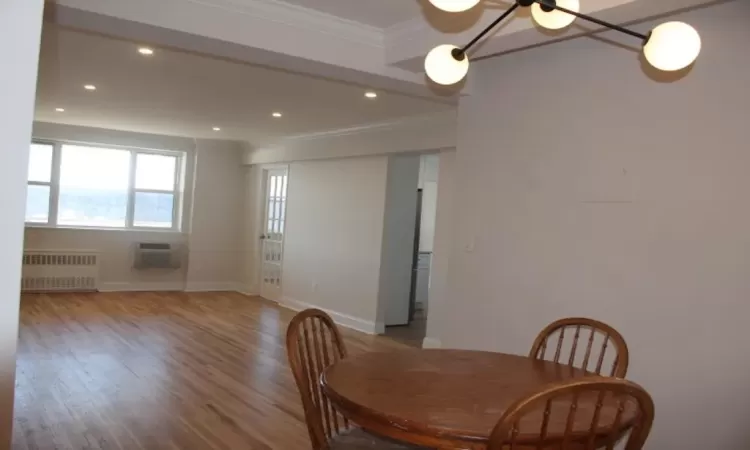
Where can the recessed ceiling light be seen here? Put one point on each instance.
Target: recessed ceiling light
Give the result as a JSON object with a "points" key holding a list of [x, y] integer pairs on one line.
{"points": [[89, 87], [145, 51], [60, 109], [276, 114], [216, 129], [370, 94]]}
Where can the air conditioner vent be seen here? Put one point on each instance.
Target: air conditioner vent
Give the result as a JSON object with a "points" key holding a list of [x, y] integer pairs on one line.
{"points": [[151, 246], [157, 256]]}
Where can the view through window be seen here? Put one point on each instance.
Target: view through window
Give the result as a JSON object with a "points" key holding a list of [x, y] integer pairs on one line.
{"points": [[85, 186], [40, 182], [154, 190]]}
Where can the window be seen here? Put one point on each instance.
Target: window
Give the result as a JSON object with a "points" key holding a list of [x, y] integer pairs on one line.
{"points": [[154, 190], [87, 186], [93, 187], [40, 183]]}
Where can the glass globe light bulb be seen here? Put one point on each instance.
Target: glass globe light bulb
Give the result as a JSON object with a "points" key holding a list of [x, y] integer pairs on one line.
{"points": [[555, 20], [454, 5], [443, 68], [672, 46]]}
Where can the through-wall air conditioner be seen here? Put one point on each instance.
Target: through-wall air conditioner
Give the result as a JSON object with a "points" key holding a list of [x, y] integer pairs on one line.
{"points": [[150, 255]]}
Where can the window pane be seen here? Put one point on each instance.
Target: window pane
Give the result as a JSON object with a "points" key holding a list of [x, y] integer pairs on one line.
{"points": [[277, 191], [283, 189], [153, 210], [272, 209], [37, 204], [155, 172], [40, 163], [93, 186], [272, 187]]}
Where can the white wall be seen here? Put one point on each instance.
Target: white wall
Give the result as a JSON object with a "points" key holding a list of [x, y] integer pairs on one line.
{"points": [[399, 225], [20, 24], [212, 222], [251, 229], [116, 249], [428, 182], [216, 239], [603, 192], [333, 237], [439, 293]]}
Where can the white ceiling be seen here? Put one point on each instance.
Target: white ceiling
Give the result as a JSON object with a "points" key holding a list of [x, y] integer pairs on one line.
{"points": [[377, 13], [187, 94]]}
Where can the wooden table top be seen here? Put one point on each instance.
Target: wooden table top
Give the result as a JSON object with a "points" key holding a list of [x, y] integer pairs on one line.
{"points": [[450, 395]]}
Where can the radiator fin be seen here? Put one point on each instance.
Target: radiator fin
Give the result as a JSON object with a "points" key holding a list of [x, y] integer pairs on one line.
{"points": [[48, 270], [42, 259], [42, 284]]}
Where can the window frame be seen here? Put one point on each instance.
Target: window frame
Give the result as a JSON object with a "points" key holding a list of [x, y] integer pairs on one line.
{"points": [[133, 190], [54, 185]]}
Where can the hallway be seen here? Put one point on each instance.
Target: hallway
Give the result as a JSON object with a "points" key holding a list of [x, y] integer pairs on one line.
{"points": [[412, 334]]}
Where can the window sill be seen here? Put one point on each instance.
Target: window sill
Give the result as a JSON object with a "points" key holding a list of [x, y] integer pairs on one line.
{"points": [[38, 226]]}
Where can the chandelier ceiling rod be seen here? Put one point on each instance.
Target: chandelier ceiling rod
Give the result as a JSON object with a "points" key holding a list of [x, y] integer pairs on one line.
{"points": [[460, 52], [547, 5], [552, 4]]}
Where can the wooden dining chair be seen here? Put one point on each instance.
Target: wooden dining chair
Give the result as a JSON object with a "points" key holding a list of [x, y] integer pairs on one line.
{"points": [[600, 342], [581, 414], [313, 342]]}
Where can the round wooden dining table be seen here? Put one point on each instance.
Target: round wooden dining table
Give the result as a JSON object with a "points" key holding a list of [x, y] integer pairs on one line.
{"points": [[451, 399]]}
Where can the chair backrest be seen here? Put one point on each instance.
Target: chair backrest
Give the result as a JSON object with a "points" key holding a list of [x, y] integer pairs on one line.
{"points": [[597, 338], [592, 413], [313, 343]]}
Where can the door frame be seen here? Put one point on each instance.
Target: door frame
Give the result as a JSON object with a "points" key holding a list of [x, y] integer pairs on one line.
{"points": [[261, 221]]}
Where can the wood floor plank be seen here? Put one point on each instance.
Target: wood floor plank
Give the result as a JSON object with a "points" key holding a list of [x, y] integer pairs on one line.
{"points": [[152, 371]]}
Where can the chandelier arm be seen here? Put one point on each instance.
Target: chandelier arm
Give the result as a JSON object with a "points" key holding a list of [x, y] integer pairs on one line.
{"points": [[460, 53], [552, 4]]}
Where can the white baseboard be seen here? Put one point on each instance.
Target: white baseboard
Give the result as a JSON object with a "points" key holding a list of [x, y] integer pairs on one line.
{"points": [[139, 286], [213, 286], [429, 342], [250, 291], [344, 320], [156, 286]]}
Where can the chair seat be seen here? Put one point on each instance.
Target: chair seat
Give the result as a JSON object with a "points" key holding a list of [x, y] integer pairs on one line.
{"points": [[359, 439]]}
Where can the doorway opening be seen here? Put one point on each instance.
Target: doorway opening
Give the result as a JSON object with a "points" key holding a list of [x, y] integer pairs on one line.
{"points": [[413, 332]]}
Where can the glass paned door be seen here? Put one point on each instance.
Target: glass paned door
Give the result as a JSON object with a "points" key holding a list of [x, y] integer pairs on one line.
{"points": [[273, 235]]}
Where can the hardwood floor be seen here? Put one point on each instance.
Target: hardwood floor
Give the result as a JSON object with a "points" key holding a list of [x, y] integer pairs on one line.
{"points": [[411, 335], [159, 371]]}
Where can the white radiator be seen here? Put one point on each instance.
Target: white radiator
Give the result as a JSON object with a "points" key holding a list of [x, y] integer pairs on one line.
{"points": [[60, 270]]}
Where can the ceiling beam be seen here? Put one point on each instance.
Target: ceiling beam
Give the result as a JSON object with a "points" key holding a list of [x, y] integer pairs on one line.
{"points": [[272, 34], [427, 133]]}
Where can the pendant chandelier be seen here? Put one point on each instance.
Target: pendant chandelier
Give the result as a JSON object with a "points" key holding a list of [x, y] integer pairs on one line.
{"points": [[670, 46]]}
